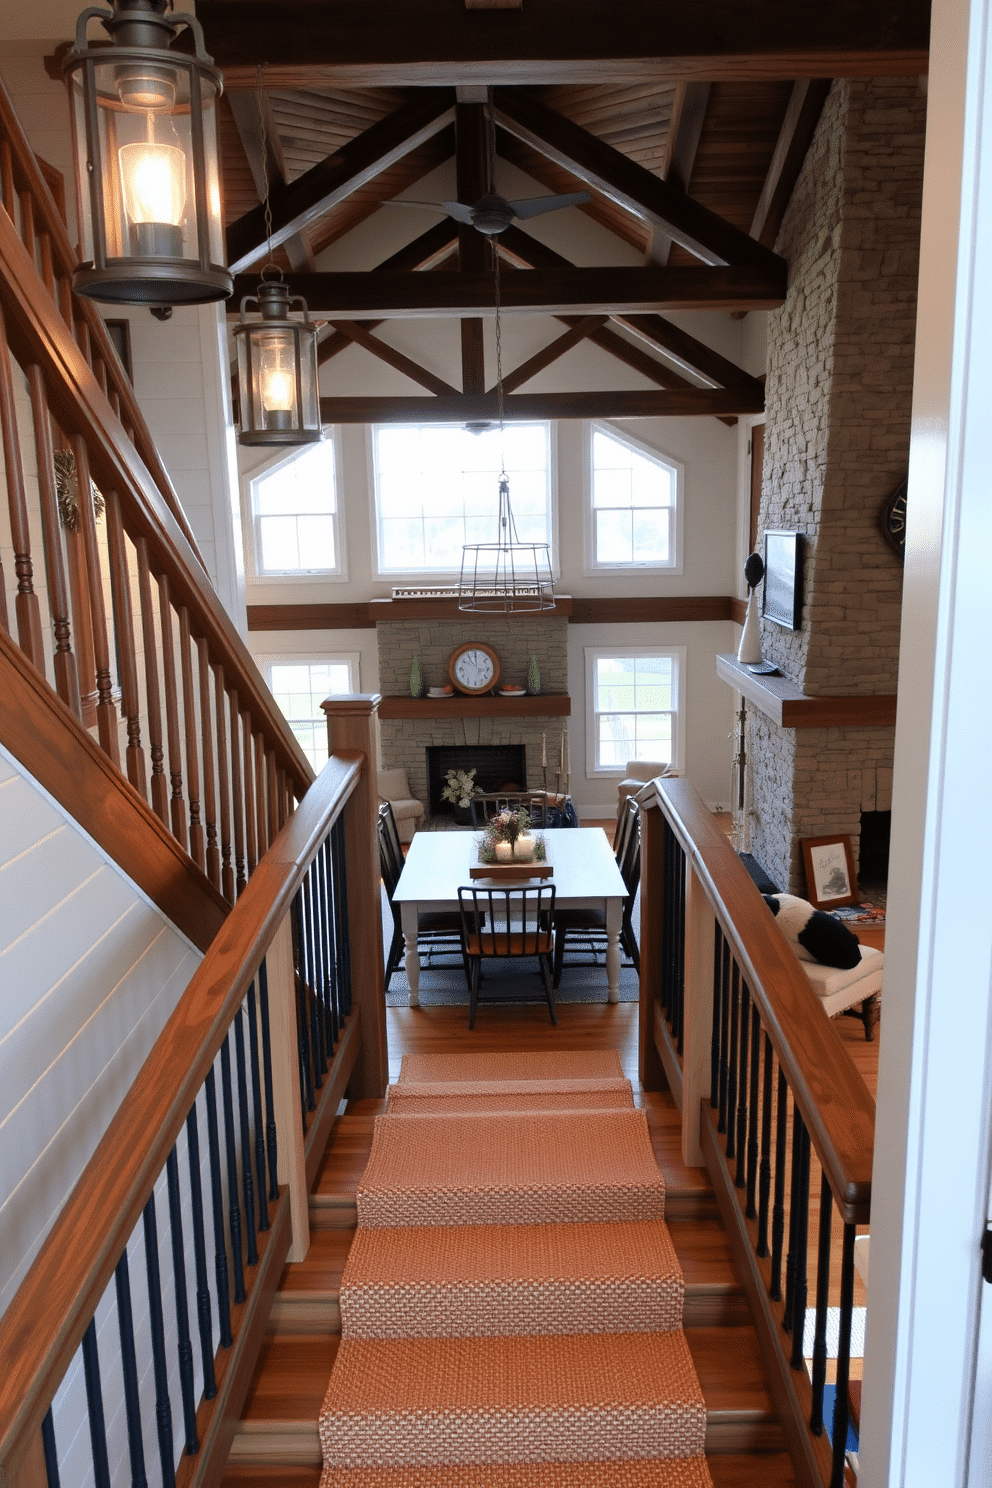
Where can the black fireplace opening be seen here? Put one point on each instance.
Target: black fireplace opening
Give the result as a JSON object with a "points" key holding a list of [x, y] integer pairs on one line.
{"points": [[498, 767], [873, 850]]}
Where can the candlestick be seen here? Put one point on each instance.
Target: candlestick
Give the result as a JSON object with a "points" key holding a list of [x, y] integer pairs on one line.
{"points": [[561, 760], [544, 751]]}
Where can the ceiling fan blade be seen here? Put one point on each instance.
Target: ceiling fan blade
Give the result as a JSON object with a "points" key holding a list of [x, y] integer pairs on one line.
{"points": [[459, 211], [438, 207], [540, 204]]}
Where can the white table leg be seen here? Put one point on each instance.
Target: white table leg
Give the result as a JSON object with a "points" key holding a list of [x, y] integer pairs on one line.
{"points": [[614, 920], [408, 919]]}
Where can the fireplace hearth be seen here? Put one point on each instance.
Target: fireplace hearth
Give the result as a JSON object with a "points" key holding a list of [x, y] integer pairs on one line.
{"points": [[498, 767]]}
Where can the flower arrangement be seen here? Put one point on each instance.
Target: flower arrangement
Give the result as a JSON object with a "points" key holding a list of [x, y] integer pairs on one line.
{"points": [[508, 838], [461, 787]]}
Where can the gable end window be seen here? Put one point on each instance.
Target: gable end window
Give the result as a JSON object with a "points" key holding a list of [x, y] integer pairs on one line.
{"points": [[634, 504], [294, 515]]}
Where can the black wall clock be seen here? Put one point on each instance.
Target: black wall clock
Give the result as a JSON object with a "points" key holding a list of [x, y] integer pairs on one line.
{"points": [[892, 520]]}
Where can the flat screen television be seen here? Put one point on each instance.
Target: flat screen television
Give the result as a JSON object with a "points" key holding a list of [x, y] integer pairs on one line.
{"points": [[782, 600]]}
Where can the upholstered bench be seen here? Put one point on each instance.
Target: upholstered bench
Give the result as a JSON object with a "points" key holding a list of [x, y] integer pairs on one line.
{"points": [[839, 991]]}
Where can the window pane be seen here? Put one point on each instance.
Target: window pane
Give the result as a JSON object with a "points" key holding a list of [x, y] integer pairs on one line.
{"points": [[650, 536], [299, 688], [316, 539], [633, 702], [277, 536], [438, 488], [294, 505], [633, 498], [613, 537]]}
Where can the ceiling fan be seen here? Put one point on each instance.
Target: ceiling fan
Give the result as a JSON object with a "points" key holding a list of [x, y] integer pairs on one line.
{"points": [[492, 213]]}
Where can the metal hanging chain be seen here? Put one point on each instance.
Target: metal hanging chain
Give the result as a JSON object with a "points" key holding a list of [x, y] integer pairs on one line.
{"points": [[260, 68], [494, 243]]}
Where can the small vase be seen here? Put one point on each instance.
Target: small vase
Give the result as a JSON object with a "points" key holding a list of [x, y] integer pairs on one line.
{"points": [[416, 679], [533, 677]]}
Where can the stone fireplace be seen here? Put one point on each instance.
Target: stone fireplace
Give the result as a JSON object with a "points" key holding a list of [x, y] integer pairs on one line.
{"points": [[495, 724], [838, 399], [498, 767]]}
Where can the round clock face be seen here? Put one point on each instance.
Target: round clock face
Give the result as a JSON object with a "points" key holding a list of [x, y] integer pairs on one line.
{"points": [[892, 520], [474, 667]]}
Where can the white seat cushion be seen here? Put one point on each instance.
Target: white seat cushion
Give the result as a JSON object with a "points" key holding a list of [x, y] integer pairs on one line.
{"points": [[403, 810], [826, 980]]}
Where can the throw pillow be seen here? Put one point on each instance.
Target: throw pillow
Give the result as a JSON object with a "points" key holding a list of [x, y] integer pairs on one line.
{"points": [[813, 934]]}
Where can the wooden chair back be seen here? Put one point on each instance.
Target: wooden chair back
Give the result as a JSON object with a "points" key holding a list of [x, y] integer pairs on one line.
{"points": [[390, 852], [517, 921], [535, 803]]}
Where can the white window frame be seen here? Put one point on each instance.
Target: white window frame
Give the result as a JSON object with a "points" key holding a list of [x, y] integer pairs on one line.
{"points": [[677, 654], [259, 575], [394, 575], [592, 566], [265, 661]]}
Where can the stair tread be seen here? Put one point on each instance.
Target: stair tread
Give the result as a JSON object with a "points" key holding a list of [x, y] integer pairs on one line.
{"points": [[497, 1065], [688, 1472], [732, 1470], [490, 1279], [439, 1096], [323, 1265], [539, 1398]]}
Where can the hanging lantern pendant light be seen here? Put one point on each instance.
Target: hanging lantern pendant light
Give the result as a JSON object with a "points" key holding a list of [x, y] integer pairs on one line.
{"points": [[146, 164], [277, 368], [507, 576]]}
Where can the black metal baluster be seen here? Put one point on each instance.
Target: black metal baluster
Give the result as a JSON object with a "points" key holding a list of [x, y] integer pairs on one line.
{"points": [[50, 1450], [667, 927], [332, 977], [256, 1105], [217, 1210], [778, 1205], [735, 989], [233, 1207], [302, 1021], [341, 879], [204, 1317], [765, 1171], [129, 1370], [316, 1033], [163, 1404], [184, 1343], [247, 1178], [800, 1289], [94, 1408], [742, 1084], [680, 963], [724, 1028], [752, 1145], [271, 1143], [790, 1259], [841, 1405], [717, 1024], [319, 949], [822, 1298]]}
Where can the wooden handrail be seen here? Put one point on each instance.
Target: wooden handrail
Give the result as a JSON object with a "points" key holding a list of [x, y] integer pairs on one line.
{"points": [[48, 219], [45, 1322], [830, 1094]]}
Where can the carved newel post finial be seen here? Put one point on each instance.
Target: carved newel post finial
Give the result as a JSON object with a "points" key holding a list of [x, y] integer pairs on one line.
{"points": [[749, 650]]}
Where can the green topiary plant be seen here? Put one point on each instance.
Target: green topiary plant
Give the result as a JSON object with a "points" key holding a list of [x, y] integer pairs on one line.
{"points": [[416, 679], [533, 677]]}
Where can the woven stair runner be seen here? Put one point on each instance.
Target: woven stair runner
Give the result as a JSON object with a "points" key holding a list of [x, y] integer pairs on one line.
{"points": [[511, 1307]]}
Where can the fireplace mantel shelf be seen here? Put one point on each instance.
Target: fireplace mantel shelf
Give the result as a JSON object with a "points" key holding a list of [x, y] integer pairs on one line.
{"points": [[543, 705], [790, 707]]}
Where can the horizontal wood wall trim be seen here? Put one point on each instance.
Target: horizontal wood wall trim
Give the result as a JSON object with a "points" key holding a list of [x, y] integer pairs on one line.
{"points": [[636, 609], [648, 609], [788, 706], [833, 1098], [738, 611], [41, 732], [544, 705]]}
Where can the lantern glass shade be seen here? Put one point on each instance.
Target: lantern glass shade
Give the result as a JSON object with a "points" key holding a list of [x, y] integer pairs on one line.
{"points": [[147, 177], [277, 383]]}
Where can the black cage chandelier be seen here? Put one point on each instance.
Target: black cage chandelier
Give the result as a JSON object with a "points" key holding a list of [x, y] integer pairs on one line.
{"points": [[145, 144], [506, 576]]}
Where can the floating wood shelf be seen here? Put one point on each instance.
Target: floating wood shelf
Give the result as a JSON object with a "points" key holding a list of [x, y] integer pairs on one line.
{"points": [[789, 707], [544, 705]]}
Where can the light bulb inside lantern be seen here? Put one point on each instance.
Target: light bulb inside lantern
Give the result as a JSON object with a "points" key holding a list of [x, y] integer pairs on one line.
{"points": [[153, 182], [277, 387]]}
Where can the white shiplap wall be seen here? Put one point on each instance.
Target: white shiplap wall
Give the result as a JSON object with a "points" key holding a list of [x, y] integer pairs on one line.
{"points": [[90, 970]]}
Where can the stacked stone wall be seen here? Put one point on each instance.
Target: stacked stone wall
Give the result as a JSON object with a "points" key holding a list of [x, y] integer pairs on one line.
{"points": [[838, 400]]}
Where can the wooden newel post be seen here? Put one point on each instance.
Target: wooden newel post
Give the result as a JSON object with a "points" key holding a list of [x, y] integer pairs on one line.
{"points": [[651, 1071], [351, 731]]}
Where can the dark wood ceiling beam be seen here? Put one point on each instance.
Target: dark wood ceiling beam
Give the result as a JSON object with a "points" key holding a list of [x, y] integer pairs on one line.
{"points": [[550, 353], [639, 361], [795, 137], [688, 117], [361, 336], [484, 407], [266, 161], [684, 350], [295, 207], [592, 160], [474, 252], [595, 291], [430, 42]]}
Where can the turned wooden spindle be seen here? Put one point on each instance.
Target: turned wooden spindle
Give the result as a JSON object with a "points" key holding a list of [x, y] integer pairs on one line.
{"points": [[224, 787], [7, 193], [106, 711], [261, 796], [209, 772], [120, 588], [159, 784], [66, 678], [177, 805], [251, 820], [197, 844], [27, 608], [238, 794]]}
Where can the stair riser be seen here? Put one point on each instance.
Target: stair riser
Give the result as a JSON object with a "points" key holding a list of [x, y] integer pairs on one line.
{"points": [[586, 1204], [492, 1310]]}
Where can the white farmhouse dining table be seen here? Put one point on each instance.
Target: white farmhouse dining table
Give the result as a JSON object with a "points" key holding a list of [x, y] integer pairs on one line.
{"points": [[585, 876]]}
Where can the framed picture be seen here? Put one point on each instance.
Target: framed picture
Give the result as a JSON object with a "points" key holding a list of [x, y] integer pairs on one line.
{"points": [[830, 876]]}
